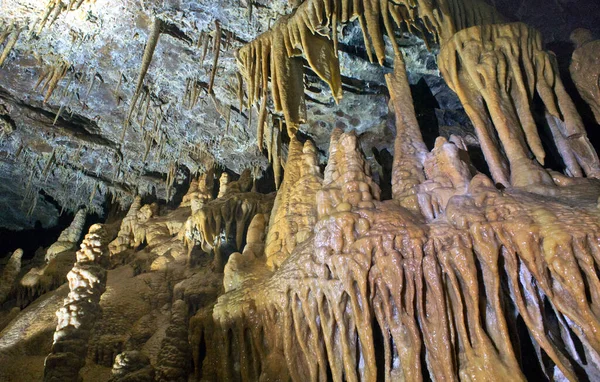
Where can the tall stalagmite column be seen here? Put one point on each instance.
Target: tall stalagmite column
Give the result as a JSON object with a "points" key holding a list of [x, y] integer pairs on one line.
{"points": [[81, 309]]}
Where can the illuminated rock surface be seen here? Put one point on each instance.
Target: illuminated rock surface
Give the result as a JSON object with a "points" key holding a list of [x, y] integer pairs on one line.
{"points": [[366, 190]]}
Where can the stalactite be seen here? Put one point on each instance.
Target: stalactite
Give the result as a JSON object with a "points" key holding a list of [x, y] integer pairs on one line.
{"points": [[53, 10], [276, 53], [205, 48], [51, 161], [496, 70], [155, 31], [13, 37], [50, 78], [216, 53]]}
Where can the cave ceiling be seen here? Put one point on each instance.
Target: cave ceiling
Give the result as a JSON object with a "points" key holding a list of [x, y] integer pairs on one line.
{"points": [[70, 136]]}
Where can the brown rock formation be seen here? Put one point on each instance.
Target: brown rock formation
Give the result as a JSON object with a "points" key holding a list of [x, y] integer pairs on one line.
{"points": [[496, 70], [585, 68], [293, 215], [456, 277]]}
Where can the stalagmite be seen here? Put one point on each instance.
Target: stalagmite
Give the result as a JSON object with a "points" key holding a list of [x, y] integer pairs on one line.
{"points": [[496, 70], [200, 191], [125, 235], [294, 215], [409, 148], [236, 270], [68, 238], [77, 317], [585, 68], [174, 356], [9, 275], [132, 365]]}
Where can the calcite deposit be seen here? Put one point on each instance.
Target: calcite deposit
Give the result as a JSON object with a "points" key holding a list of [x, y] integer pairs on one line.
{"points": [[445, 227]]}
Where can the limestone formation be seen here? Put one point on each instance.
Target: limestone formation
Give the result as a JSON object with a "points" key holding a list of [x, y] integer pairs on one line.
{"points": [[174, 356], [9, 274], [293, 214], [585, 68], [391, 253], [125, 235], [496, 70], [68, 238], [200, 191], [312, 31], [132, 366], [87, 282]]}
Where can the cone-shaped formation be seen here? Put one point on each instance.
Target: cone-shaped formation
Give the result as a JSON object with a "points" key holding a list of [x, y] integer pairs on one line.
{"points": [[9, 274], [312, 31], [68, 238], [294, 216], [87, 281], [124, 238], [409, 148], [496, 70]]}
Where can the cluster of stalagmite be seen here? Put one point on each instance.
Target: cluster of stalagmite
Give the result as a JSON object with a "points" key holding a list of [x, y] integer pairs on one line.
{"points": [[376, 291], [81, 309], [450, 278], [57, 262], [200, 191], [222, 223]]}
